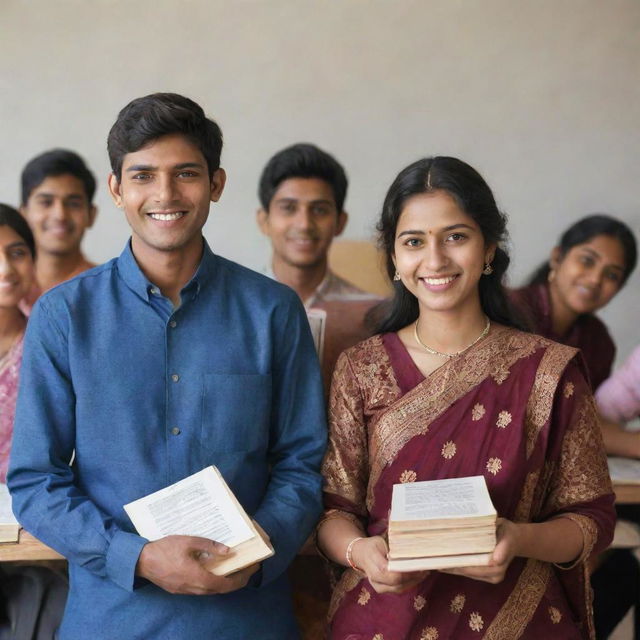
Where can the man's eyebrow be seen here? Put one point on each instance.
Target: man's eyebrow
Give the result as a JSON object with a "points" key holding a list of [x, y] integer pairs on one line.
{"points": [[318, 201], [141, 167], [70, 196], [15, 245], [149, 167]]}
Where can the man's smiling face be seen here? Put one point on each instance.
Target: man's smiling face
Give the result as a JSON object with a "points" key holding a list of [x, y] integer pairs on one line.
{"points": [[166, 191]]}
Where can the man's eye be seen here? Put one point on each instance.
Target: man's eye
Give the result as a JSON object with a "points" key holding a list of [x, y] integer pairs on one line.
{"points": [[188, 174], [140, 176]]}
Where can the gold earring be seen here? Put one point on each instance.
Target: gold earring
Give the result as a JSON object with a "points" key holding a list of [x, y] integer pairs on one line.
{"points": [[488, 269], [396, 277]]}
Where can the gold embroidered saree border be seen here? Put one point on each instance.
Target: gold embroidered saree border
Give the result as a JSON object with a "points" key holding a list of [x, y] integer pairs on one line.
{"points": [[412, 414], [516, 613]]}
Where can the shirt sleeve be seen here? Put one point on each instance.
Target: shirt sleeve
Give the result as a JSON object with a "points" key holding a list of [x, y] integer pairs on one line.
{"points": [[618, 398], [292, 502], [46, 499]]}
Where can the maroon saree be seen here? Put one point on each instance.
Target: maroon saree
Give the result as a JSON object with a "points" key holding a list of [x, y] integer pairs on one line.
{"points": [[515, 408]]}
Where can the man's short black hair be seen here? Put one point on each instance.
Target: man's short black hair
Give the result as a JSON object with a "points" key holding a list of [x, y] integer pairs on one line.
{"points": [[302, 160], [57, 162], [151, 117]]}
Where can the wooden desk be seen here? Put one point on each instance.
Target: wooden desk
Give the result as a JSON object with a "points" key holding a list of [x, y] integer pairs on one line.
{"points": [[27, 549], [627, 493]]}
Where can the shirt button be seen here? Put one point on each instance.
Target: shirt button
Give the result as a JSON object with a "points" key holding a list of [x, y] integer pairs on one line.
{"points": [[175, 377], [173, 324], [175, 431]]}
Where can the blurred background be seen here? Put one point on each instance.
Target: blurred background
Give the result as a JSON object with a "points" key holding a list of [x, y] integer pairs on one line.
{"points": [[540, 96]]}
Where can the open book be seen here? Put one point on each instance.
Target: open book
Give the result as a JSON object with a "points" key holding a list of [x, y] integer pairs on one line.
{"points": [[440, 524], [202, 505], [9, 527]]}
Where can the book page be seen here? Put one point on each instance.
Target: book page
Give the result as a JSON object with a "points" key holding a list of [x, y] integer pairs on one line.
{"points": [[624, 470], [200, 505], [317, 322], [451, 498], [6, 514]]}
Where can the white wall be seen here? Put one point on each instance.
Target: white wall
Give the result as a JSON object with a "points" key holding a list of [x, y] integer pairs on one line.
{"points": [[541, 96]]}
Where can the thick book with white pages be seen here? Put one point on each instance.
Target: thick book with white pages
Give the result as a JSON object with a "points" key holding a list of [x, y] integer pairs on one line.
{"points": [[440, 524], [202, 505]]}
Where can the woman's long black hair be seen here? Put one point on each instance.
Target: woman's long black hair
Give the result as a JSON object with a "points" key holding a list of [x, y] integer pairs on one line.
{"points": [[13, 219], [474, 197], [584, 230]]}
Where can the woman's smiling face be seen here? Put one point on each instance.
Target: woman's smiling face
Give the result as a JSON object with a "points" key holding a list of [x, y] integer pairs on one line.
{"points": [[440, 252], [588, 275]]}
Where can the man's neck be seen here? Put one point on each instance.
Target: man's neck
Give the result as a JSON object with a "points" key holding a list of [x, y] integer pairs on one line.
{"points": [[52, 269], [304, 281], [169, 270]]}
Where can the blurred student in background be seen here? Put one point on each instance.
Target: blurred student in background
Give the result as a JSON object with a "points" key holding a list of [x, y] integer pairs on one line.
{"points": [[57, 192]]}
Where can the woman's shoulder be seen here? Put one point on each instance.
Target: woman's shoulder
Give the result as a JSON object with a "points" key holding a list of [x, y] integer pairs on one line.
{"points": [[533, 342], [365, 351]]}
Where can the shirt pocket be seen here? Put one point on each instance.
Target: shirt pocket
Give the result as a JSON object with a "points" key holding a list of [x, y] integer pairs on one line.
{"points": [[236, 412]]}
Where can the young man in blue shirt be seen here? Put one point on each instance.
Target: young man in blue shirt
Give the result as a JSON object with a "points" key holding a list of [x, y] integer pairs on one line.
{"points": [[161, 362]]}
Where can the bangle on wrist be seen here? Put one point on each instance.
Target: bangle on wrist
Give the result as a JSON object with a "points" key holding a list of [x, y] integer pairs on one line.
{"points": [[348, 554]]}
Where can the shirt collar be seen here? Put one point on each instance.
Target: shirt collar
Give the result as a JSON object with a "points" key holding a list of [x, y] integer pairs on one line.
{"points": [[325, 284], [135, 279]]}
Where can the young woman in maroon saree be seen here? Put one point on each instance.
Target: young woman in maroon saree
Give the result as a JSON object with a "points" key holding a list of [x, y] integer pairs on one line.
{"points": [[591, 263], [449, 389]]}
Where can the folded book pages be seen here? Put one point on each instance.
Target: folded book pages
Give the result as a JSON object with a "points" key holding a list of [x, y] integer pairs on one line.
{"points": [[202, 505]]}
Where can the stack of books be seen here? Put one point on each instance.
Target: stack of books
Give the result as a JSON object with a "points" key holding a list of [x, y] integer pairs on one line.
{"points": [[441, 524]]}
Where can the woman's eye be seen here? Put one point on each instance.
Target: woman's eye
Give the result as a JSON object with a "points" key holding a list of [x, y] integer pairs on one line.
{"points": [[456, 237], [413, 242]]}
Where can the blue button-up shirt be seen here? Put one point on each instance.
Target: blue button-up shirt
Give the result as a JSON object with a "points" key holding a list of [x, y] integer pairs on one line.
{"points": [[146, 394]]}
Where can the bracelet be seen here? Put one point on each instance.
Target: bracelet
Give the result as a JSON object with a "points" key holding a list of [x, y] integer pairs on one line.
{"points": [[348, 554]]}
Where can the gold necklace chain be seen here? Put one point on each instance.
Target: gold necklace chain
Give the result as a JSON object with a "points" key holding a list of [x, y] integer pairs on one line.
{"points": [[435, 352]]}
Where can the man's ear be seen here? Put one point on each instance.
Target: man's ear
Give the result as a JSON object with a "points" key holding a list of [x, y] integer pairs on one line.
{"points": [[262, 218], [115, 189], [343, 217], [218, 180]]}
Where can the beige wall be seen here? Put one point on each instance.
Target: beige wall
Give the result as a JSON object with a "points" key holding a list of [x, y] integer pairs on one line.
{"points": [[540, 95]]}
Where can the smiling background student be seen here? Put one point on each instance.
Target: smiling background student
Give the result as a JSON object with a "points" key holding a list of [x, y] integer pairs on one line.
{"points": [[593, 259], [143, 367], [57, 191], [302, 192]]}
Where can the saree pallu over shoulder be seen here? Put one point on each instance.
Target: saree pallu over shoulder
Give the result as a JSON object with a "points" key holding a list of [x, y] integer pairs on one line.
{"points": [[515, 408]]}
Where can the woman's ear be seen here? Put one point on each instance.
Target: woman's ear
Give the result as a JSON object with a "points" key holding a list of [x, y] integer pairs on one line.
{"points": [[555, 258]]}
